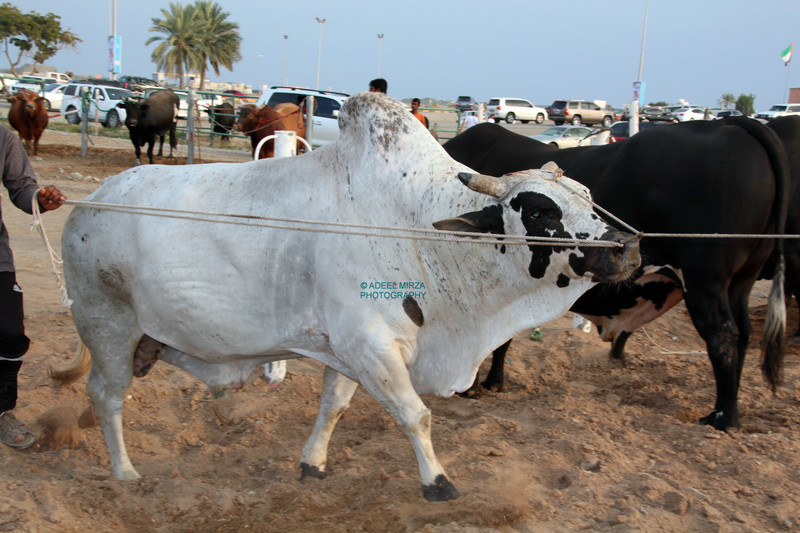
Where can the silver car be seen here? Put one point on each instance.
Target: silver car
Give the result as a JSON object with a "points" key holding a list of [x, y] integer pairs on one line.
{"points": [[563, 136]]}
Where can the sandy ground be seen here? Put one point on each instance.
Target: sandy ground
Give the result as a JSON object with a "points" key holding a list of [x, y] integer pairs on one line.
{"points": [[577, 442]]}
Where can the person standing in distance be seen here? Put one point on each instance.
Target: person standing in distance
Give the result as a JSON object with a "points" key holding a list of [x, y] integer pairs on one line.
{"points": [[20, 180], [415, 111], [378, 85]]}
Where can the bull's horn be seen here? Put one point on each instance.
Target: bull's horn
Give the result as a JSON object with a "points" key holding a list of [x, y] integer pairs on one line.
{"points": [[552, 167], [484, 184]]}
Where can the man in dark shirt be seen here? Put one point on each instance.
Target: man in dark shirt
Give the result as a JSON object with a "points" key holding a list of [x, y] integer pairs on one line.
{"points": [[19, 179]]}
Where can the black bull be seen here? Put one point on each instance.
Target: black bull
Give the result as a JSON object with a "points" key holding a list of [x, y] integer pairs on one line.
{"points": [[154, 116], [725, 176]]}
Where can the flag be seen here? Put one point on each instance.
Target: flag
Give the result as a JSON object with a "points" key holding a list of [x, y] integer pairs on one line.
{"points": [[786, 55]]}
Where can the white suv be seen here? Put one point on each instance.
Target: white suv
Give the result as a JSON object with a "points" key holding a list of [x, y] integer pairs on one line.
{"points": [[778, 110], [511, 109], [326, 113], [102, 101]]}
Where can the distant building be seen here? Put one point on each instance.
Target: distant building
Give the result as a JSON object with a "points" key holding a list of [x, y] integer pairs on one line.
{"points": [[794, 96]]}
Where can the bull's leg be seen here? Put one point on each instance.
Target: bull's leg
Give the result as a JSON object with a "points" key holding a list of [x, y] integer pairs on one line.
{"points": [[161, 145], [712, 316], [173, 139], [495, 380], [386, 378], [150, 145], [337, 390], [112, 344]]}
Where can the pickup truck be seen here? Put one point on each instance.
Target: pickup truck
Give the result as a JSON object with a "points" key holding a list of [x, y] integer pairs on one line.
{"points": [[35, 83]]}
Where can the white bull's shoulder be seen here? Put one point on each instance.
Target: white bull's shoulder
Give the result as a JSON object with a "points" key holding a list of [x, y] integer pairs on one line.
{"points": [[235, 296]]}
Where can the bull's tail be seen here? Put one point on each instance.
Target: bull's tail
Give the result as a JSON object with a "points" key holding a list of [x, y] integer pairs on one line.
{"points": [[772, 345], [772, 342], [80, 365]]}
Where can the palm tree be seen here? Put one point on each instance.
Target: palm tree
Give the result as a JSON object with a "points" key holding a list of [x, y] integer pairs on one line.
{"points": [[727, 100], [220, 39], [180, 45]]}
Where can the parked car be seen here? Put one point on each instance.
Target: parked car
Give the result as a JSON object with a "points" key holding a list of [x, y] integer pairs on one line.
{"points": [[578, 112], [137, 84], [563, 136], [511, 109], [103, 102], [778, 110], [620, 130], [31, 83], [100, 81], [326, 113], [53, 95], [465, 103], [728, 113], [652, 114], [686, 114], [202, 101], [36, 82]]}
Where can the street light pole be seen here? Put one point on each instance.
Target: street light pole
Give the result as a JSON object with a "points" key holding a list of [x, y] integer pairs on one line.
{"points": [[285, 45], [380, 40], [633, 122], [319, 48], [260, 70]]}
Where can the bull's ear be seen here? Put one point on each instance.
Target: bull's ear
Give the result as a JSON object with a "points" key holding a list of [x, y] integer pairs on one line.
{"points": [[121, 105], [487, 220]]}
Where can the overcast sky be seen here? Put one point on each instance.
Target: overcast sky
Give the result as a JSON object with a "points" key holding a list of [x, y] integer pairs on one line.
{"points": [[540, 50]]}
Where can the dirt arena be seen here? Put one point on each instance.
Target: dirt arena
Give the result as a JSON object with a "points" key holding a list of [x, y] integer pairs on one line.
{"points": [[577, 442]]}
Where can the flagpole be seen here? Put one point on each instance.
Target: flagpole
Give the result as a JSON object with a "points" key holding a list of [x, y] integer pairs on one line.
{"points": [[786, 55]]}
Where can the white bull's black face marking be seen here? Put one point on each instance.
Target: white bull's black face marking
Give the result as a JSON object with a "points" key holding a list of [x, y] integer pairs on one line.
{"points": [[541, 217]]}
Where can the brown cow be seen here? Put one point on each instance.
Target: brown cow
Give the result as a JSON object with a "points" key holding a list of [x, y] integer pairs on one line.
{"points": [[260, 122], [28, 116]]}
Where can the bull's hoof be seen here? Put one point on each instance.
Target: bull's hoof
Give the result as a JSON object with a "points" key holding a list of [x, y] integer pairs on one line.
{"points": [[472, 393], [493, 386], [441, 490], [307, 470], [720, 420]]}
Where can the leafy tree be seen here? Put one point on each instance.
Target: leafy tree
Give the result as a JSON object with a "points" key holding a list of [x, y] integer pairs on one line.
{"points": [[194, 37], [746, 104], [180, 43], [221, 39], [726, 100], [39, 36], [658, 104]]}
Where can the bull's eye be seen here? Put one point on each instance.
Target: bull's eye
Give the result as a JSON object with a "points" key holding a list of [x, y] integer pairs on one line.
{"points": [[536, 214]]}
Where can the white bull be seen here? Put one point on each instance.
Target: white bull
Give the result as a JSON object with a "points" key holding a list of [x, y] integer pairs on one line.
{"points": [[219, 300]]}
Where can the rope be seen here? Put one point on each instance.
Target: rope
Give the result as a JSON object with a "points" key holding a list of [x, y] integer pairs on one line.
{"points": [[664, 351], [55, 260], [343, 228]]}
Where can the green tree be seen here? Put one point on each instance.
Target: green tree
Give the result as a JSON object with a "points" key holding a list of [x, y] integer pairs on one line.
{"points": [[180, 42], [39, 36], [220, 37], [726, 100], [658, 104], [194, 37], [746, 104]]}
